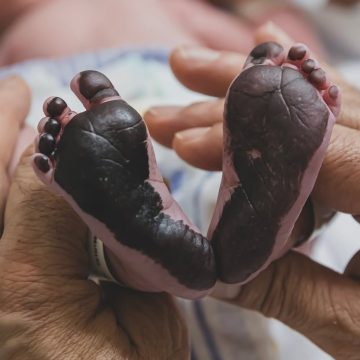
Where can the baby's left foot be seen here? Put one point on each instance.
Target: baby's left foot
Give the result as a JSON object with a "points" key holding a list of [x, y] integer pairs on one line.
{"points": [[102, 162]]}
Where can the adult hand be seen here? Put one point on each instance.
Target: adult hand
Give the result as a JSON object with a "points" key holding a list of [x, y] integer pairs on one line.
{"points": [[48, 307], [314, 300]]}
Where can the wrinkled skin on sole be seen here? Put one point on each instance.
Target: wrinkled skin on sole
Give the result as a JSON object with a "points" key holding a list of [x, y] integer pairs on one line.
{"points": [[113, 162], [278, 120], [262, 159]]}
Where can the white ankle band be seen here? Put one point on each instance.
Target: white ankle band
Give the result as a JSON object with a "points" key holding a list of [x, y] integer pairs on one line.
{"points": [[99, 265]]}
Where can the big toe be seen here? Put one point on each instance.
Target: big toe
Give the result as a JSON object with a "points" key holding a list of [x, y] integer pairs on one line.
{"points": [[92, 87], [268, 53]]}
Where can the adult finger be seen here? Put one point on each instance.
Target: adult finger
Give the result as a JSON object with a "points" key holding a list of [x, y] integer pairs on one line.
{"points": [[165, 121], [14, 107], [271, 32], [26, 137], [201, 147], [310, 298], [206, 71], [211, 72], [350, 109]]}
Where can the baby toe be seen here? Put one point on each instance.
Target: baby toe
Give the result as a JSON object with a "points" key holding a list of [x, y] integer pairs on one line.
{"points": [[46, 144], [332, 97], [42, 163], [319, 79], [52, 127], [93, 88], [308, 66], [54, 107], [298, 52], [270, 53]]}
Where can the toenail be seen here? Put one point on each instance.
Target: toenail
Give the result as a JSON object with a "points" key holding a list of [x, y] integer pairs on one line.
{"points": [[334, 91], [93, 85], [258, 61], [318, 76], [56, 106], [46, 144], [52, 127], [297, 52], [42, 163], [267, 50], [308, 66]]}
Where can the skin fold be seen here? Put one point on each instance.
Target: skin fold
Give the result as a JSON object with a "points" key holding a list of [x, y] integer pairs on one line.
{"points": [[103, 163]]}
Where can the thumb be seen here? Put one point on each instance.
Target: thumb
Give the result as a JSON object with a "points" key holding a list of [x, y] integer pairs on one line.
{"points": [[42, 236]]}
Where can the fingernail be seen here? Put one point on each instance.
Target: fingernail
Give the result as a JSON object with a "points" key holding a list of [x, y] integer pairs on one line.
{"points": [[162, 111], [273, 28], [191, 134], [269, 26], [199, 55]]}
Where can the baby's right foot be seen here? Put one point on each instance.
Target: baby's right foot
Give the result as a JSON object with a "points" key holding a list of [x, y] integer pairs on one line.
{"points": [[279, 115]]}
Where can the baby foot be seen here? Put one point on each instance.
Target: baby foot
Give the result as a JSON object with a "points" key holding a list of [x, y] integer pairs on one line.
{"points": [[279, 115], [102, 162]]}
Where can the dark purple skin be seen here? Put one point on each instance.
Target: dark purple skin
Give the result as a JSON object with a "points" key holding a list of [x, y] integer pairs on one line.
{"points": [[110, 140], [127, 195], [259, 203]]}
